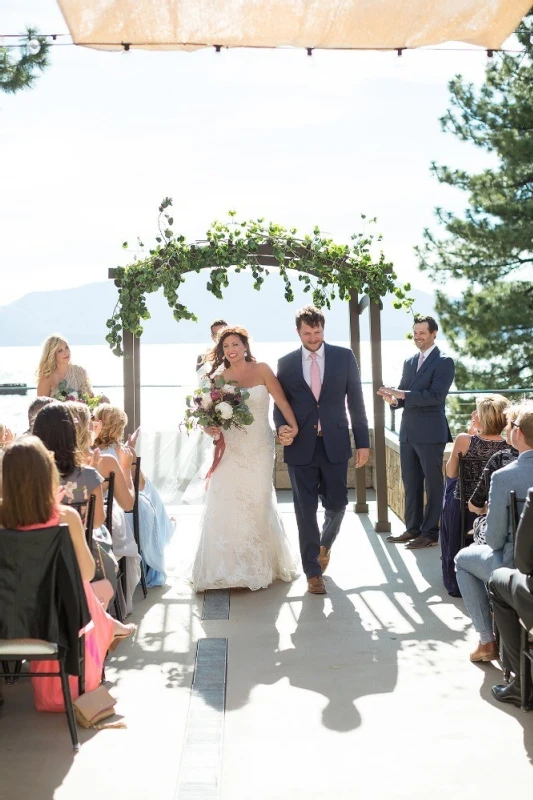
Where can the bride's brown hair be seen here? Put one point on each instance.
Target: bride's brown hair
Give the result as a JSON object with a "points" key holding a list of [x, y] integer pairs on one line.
{"points": [[216, 355]]}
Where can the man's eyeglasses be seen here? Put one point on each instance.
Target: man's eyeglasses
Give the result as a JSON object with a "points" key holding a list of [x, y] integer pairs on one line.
{"points": [[514, 425]]}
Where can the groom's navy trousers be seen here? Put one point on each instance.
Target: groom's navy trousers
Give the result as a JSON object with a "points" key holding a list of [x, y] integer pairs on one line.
{"points": [[318, 460]]}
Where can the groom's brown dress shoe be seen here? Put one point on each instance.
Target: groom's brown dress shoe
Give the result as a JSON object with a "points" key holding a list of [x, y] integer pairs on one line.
{"points": [[323, 559], [315, 585], [420, 542], [405, 537]]}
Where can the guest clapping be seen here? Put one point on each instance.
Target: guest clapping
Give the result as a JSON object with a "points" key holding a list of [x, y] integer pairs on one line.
{"points": [[488, 422], [156, 529]]}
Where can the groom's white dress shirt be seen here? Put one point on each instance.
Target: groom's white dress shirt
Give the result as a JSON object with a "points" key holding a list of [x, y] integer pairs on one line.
{"points": [[306, 363]]}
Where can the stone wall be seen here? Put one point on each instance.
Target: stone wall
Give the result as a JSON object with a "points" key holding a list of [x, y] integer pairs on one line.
{"points": [[281, 475], [395, 493]]}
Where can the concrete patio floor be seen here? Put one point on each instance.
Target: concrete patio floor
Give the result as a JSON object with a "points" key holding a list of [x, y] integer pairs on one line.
{"points": [[364, 693]]}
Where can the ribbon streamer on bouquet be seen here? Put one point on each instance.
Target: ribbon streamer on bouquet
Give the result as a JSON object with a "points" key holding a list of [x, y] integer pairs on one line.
{"points": [[220, 446]]}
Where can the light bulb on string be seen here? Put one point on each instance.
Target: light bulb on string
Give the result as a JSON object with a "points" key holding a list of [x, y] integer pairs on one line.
{"points": [[400, 60], [34, 46]]}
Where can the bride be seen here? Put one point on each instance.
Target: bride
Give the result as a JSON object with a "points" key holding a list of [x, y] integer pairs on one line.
{"points": [[242, 541]]}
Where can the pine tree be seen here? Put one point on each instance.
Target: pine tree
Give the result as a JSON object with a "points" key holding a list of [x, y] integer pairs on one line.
{"points": [[20, 71], [490, 247]]}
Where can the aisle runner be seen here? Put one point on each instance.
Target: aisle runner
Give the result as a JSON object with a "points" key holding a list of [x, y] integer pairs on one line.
{"points": [[216, 604], [201, 759]]}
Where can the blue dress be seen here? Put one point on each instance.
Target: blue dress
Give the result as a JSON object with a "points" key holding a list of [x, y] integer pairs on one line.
{"points": [[155, 529], [154, 520]]}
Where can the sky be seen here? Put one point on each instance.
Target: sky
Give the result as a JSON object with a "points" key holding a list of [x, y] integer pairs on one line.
{"points": [[87, 155]]}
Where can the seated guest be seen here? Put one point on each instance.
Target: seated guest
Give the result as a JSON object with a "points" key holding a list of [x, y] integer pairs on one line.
{"points": [[156, 529], [55, 427], [30, 486], [122, 539], [478, 502], [512, 599], [35, 407], [488, 421], [476, 563], [87, 430]]}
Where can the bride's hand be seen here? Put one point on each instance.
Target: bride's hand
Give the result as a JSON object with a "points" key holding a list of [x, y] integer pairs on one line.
{"points": [[286, 435], [213, 431]]}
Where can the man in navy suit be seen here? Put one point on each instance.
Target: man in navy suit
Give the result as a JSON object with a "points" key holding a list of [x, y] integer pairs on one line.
{"points": [[424, 431], [319, 379]]}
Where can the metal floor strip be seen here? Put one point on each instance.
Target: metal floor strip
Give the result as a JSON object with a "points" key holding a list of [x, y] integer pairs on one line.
{"points": [[201, 761], [216, 604]]}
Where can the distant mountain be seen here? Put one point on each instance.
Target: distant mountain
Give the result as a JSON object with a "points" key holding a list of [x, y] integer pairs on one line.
{"points": [[80, 314]]}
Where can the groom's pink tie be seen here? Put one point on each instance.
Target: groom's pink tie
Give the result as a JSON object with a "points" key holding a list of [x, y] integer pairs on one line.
{"points": [[316, 383], [420, 361]]}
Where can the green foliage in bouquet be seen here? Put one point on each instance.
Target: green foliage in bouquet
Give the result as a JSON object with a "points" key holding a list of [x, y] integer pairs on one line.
{"points": [[92, 400], [214, 404], [327, 270]]}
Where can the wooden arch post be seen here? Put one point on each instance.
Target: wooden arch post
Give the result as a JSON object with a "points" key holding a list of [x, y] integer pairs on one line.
{"points": [[382, 524]]}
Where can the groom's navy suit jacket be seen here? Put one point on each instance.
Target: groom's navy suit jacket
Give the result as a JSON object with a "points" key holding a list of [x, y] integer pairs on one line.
{"points": [[341, 385], [424, 418]]}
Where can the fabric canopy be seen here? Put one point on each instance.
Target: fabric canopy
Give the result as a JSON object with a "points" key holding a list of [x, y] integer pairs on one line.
{"points": [[331, 24]]}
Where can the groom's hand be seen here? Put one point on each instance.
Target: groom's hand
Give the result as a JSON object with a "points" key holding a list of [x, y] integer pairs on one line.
{"points": [[285, 435], [361, 457]]}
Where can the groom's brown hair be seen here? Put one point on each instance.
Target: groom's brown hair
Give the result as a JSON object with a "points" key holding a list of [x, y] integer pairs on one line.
{"points": [[310, 315]]}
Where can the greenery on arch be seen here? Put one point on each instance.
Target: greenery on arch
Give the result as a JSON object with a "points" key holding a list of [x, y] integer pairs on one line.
{"points": [[326, 269]]}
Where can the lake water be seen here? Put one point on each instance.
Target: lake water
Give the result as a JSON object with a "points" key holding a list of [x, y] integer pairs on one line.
{"points": [[168, 374]]}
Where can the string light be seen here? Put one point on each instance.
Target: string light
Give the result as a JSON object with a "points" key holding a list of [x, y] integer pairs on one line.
{"points": [[33, 43]]}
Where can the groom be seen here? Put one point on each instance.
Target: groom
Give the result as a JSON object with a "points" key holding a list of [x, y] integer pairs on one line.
{"points": [[318, 380]]}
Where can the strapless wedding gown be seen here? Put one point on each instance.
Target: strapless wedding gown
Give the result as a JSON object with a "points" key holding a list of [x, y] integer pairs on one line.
{"points": [[242, 539]]}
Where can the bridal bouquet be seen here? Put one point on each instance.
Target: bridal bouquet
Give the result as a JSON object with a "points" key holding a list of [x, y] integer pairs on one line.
{"points": [[221, 404], [218, 403]]}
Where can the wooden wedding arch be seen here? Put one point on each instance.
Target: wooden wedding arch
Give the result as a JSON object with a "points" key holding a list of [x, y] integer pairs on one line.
{"points": [[266, 254]]}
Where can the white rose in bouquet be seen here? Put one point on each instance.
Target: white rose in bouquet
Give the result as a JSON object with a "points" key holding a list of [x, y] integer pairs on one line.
{"points": [[225, 410]]}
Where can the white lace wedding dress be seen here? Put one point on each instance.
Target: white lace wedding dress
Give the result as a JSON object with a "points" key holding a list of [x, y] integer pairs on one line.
{"points": [[242, 540]]}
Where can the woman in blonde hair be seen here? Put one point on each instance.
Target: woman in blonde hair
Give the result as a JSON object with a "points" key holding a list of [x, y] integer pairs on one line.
{"points": [[123, 541], [56, 376], [156, 529], [476, 447]]}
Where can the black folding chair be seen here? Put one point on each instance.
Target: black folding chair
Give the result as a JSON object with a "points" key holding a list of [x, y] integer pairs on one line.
{"points": [[136, 525], [86, 509], [53, 549], [470, 469], [526, 656], [119, 601]]}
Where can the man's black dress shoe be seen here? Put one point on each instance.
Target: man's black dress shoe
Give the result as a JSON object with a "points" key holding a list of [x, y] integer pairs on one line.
{"points": [[509, 693]]}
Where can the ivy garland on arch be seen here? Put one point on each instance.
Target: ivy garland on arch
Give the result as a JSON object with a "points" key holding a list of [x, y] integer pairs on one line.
{"points": [[326, 269]]}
